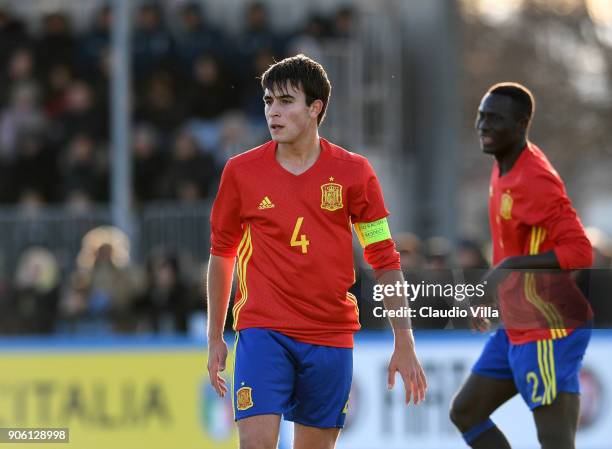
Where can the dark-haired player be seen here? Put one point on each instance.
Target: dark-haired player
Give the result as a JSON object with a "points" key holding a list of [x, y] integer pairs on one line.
{"points": [[533, 226], [286, 209]]}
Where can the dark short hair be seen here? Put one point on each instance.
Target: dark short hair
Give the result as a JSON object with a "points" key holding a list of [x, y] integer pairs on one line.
{"points": [[302, 73], [520, 95]]}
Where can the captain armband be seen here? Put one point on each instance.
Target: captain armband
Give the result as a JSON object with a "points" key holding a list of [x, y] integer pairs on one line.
{"points": [[373, 232]]}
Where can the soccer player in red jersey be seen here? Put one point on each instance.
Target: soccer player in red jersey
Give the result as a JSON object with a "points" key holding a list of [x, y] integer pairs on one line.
{"points": [[546, 318], [286, 211]]}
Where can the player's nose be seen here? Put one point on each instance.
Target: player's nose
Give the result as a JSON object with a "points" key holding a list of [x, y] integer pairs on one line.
{"points": [[482, 125], [273, 110]]}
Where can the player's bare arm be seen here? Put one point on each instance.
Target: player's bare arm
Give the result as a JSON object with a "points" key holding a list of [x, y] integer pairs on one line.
{"points": [[496, 274], [219, 285], [404, 359]]}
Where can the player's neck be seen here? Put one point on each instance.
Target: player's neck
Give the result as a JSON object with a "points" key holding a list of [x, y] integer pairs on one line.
{"points": [[299, 156], [507, 160]]}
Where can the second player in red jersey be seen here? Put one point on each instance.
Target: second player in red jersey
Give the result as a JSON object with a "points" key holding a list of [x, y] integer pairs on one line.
{"points": [[529, 214], [537, 239]]}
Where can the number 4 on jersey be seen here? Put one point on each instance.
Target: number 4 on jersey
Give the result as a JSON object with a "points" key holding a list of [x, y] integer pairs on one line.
{"points": [[302, 241]]}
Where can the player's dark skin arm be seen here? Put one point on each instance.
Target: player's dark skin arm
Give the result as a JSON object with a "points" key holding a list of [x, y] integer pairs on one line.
{"points": [[495, 275], [404, 357], [533, 262], [219, 285]]}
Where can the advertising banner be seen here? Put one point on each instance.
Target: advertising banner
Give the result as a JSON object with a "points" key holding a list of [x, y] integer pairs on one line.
{"points": [[157, 396], [117, 399]]}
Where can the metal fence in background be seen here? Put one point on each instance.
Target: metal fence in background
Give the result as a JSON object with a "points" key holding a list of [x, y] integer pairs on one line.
{"points": [[176, 227]]}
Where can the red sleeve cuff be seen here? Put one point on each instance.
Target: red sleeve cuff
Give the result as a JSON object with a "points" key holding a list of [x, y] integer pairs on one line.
{"points": [[574, 257], [223, 252], [382, 255]]}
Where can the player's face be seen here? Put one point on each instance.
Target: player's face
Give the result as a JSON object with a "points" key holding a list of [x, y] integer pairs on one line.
{"points": [[498, 127], [287, 114]]}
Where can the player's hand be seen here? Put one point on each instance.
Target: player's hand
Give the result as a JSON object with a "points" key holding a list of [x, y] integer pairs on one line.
{"points": [[480, 324], [404, 360], [217, 355]]}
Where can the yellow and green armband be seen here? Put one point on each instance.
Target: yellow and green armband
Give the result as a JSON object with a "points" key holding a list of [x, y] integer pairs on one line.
{"points": [[373, 232]]}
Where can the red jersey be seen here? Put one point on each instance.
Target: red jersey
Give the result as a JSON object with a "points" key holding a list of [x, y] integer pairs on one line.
{"points": [[293, 238], [530, 213]]}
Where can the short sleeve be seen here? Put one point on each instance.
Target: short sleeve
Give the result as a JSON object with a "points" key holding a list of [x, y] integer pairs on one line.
{"points": [[225, 223]]}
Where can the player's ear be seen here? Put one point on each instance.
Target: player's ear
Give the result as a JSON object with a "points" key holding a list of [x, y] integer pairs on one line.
{"points": [[315, 108]]}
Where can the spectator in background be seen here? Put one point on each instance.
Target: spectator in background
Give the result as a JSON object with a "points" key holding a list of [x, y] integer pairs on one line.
{"points": [[167, 300], [29, 203], [29, 229], [469, 256], [190, 173], [344, 23], [256, 35], [82, 169], [57, 82], [310, 40], [35, 167], [78, 204], [199, 37], [209, 96], [56, 43], [36, 292], [149, 163], [12, 33], [22, 117], [157, 103], [20, 71], [80, 115], [251, 97], [152, 45], [409, 247], [100, 294], [236, 135], [95, 43], [438, 251]]}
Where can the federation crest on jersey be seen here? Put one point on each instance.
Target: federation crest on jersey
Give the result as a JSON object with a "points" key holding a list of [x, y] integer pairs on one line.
{"points": [[331, 196], [505, 209], [244, 398]]}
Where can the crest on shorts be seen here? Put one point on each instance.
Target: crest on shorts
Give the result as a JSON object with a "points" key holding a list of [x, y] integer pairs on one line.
{"points": [[345, 409], [331, 196], [505, 209], [244, 398]]}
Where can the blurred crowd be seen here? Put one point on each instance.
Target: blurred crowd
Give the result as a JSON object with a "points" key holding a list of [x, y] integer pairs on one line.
{"points": [[107, 293], [196, 99]]}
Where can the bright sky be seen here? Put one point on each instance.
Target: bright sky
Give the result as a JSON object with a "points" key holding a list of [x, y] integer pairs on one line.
{"points": [[497, 11], [600, 11]]}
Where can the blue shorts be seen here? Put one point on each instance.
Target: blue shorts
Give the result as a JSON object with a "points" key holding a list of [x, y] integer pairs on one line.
{"points": [[274, 374], [540, 369]]}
